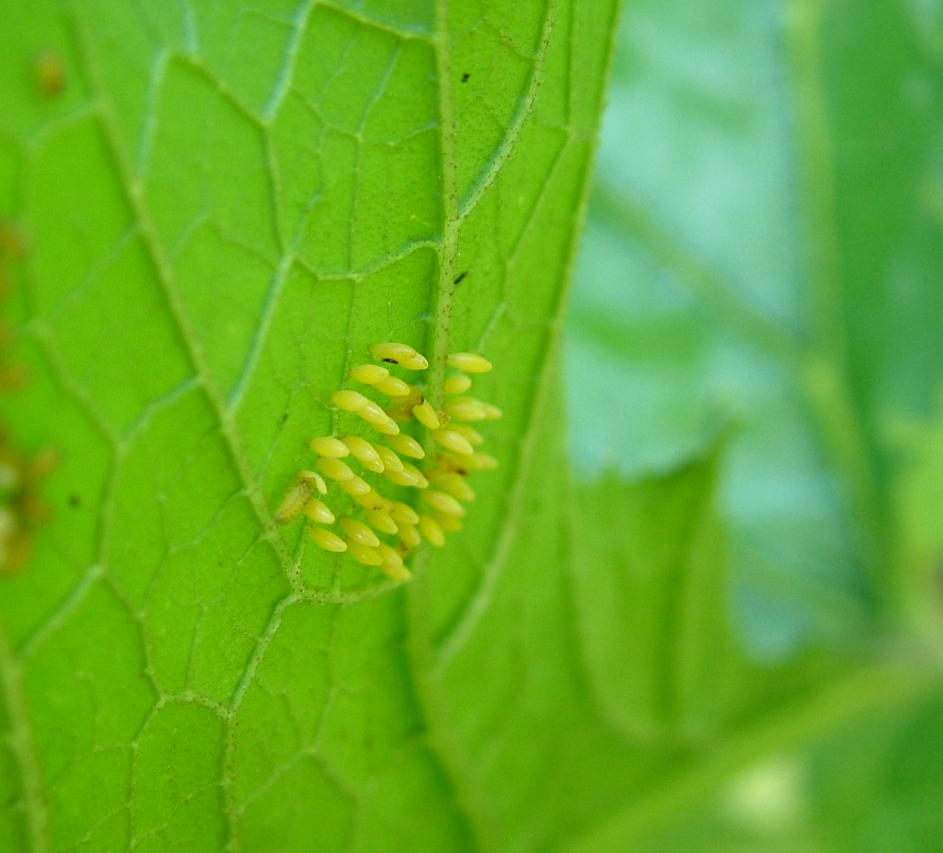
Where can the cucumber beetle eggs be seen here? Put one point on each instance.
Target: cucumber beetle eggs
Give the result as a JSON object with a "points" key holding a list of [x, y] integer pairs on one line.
{"points": [[358, 500], [469, 362]]}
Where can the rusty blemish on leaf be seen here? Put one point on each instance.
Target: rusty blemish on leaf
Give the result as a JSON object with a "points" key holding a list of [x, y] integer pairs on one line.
{"points": [[21, 507], [49, 73]]}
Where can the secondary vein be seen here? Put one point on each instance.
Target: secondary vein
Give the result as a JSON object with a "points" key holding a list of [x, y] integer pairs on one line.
{"points": [[23, 747]]}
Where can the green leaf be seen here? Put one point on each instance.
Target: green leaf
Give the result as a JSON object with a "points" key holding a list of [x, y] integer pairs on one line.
{"points": [[223, 206]]}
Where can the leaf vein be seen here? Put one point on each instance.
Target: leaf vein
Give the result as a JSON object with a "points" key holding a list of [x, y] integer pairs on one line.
{"points": [[23, 747]]}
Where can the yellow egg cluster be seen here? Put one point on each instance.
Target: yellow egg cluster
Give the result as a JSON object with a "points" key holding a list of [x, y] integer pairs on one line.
{"points": [[363, 469]]}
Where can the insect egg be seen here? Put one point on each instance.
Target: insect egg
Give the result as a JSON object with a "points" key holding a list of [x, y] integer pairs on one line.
{"points": [[371, 412], [403, 478], [374, 501], [327, 540], [482, 461], [389, 555], [378, 419], [387, 427], [369, 374], [401, 354], [443, 502], [409, 534], [431, 531], [417, 363], [335, 469], [317, 511], [364, 553], [359, 532], [400, 412], [449, 523], [469, 362], [392, 351], [457, 384], [466, 409], [463, 465], [390, 460], [420, 480], [392, 564], [426, 415], [355, 486], [404, 513], [331, 447], [453, 484], [349, 401], [407, 445], [382, 521], [468, 433], [451, 440], [365, 452], [393, 387], [396, 573]]}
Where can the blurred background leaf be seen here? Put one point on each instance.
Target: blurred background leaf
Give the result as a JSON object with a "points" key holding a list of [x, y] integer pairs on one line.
{"points": [[763, 261]]}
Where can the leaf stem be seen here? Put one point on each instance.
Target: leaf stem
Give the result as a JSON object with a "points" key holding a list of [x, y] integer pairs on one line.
{"points": [[451, 217]]}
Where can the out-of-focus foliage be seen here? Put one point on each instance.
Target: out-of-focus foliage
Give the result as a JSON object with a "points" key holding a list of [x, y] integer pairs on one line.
{"points": [[763, 263]]}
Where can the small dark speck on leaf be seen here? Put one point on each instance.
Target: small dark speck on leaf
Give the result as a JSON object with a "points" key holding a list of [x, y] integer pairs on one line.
{"points": [[284, 416], [465, 76], [75, 501], [459, 277]]}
